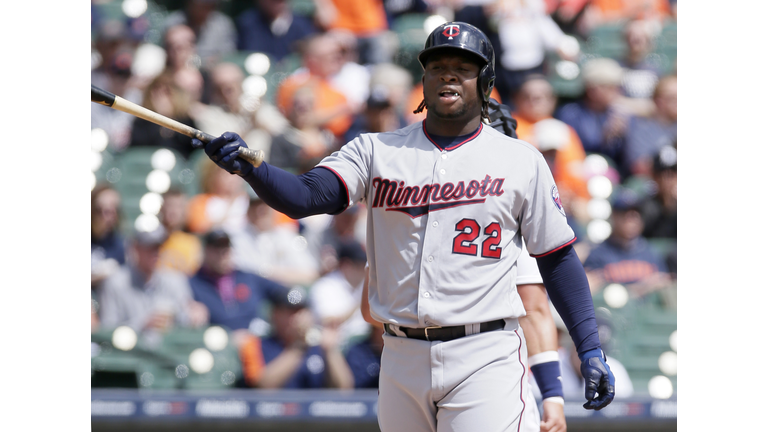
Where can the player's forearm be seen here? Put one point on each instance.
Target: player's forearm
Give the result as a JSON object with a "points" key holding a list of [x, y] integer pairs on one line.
{"points": [[540, 333], [315, 192], [538, 325], [365, 307], [568, 289]]}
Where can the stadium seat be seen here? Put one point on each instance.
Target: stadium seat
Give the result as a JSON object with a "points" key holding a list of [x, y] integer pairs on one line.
{"points": [[303, 7], [135, 164], [607, 41], [410, 35], [559, 76]]}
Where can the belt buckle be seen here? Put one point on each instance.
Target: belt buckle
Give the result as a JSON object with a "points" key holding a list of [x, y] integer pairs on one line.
{"points": [[426, 334]]}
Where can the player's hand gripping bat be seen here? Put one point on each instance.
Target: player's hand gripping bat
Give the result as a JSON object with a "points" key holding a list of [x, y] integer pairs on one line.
{"points": [[103, 97]]}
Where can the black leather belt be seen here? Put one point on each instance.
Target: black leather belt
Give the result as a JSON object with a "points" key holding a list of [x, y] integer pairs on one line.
{"points": [[443, 333]]}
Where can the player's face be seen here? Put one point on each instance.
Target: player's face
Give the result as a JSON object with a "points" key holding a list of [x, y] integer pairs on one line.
{"points": [[450, 86]]}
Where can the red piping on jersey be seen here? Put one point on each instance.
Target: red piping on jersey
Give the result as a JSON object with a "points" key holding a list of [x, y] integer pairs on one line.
{"points": [[522, 378], [346, 189], [424, 128], [554, 250]]}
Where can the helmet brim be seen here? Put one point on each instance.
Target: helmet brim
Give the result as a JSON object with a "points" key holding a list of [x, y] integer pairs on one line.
{"points": [[425, 54]]}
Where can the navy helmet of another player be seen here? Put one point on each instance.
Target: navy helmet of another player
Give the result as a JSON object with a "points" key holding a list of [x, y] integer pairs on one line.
{"points": [[466, 37]]}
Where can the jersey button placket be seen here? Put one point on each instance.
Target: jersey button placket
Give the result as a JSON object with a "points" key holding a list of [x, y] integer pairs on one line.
{"points": [[430, 253]]}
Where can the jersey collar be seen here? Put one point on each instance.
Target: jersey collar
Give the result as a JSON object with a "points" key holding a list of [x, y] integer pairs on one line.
{"points": [[451, 146]]}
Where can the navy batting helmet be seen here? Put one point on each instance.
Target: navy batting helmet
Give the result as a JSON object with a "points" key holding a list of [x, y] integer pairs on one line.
{"points": [[466, 37]]}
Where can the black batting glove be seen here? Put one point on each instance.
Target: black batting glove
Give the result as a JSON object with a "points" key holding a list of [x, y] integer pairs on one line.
{"points": [[599, 383], [224, 150]]}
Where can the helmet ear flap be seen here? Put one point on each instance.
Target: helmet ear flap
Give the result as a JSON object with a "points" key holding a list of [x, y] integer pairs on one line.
{"points": [[486, 80]]}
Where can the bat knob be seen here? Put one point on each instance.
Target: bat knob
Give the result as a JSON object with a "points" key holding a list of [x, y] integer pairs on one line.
{"points": [[255, 157]]}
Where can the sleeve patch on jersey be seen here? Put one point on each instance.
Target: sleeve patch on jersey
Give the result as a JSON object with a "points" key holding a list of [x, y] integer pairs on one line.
{"points": [[556, 200]]}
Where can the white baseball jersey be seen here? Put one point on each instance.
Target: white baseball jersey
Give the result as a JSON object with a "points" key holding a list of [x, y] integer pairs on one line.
{"points": [[527, 269], [444, 226]]}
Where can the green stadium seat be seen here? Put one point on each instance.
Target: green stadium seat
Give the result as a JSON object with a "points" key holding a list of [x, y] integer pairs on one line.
{"points": [[563, 86], [607, 41], [303, 7], [411, 36], [135, 163]]}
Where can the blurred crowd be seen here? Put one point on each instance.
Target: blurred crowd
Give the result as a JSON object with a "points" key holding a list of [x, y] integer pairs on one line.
{"points": [[288, 291]]}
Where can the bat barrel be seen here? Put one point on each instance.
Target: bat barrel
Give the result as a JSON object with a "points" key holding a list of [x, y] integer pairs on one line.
{"points": [[101, 96]]}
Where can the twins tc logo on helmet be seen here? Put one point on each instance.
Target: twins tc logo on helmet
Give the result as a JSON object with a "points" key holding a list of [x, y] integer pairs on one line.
{"points": [[451, 30], [556, 200]]}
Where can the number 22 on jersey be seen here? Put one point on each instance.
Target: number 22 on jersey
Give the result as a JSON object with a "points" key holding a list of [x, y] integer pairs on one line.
{"points": [[469, 230]]}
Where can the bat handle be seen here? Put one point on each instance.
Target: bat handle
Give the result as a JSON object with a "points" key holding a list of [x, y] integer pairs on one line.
{"points": [[204, 137]]}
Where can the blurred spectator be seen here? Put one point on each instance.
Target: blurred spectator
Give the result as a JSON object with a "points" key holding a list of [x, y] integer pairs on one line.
{"points": [[570, 365], [335, 297], [366, 19], [625, 257], [570, 16], [113, 74], [522, 34], [273, 250], [272, 28], [646, 136], [107, 243], [353, 79], [234, 298], [397, 8], [227, 112], [398, 83], [659, 210], [322, 59], [222, 203], [641, 70], [364, 359], [144, 297], [606, 12], [380, 115], [598, 118], [164, 97], [95, 323], [303, 144], [183, 62], [181, 251], [347, 226], [297, 354], [560, 144], [215, 31]]}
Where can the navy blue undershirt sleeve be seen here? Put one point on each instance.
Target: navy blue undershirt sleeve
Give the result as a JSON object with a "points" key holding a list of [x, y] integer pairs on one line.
{"points": [[314, 192], [568, 289]]}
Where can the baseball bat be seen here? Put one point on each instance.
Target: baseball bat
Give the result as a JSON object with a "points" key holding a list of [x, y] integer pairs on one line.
{"points": [[103, 97]]}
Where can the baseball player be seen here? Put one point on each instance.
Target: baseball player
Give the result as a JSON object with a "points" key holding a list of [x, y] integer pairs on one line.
{"points": [[450, 202]]}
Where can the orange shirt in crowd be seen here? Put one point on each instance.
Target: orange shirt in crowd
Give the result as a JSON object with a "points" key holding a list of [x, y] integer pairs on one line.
{"points": [[566, 177], [361, 17], [252, 360], [632, 9], [181, 251], [415, 98], [326, 98]]}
